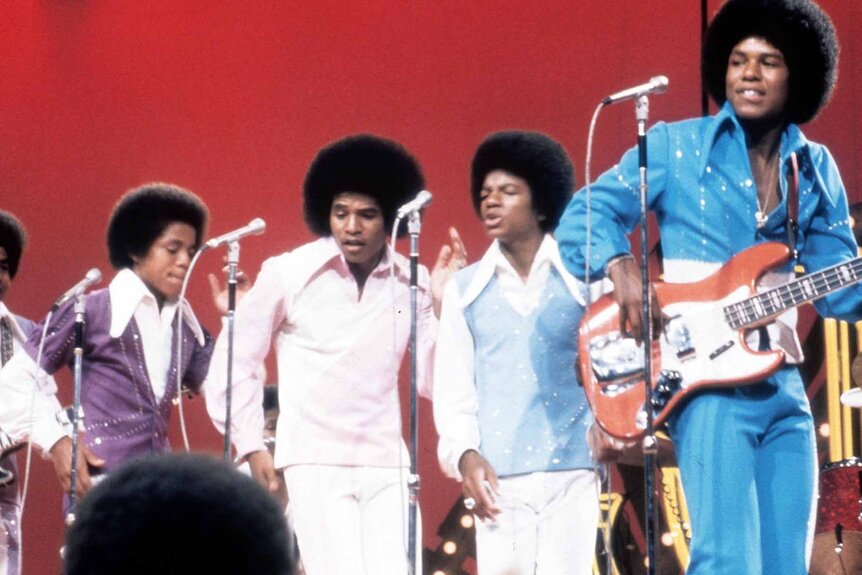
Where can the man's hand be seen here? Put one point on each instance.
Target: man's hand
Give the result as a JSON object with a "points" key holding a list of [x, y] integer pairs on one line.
{"points": [[452, 257], [480, 484], [263, 470], [219, 290], [628, 292], [61, 456]]}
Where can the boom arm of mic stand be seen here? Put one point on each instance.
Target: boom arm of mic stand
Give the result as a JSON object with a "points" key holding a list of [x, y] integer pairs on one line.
{"points": [[649, 442]]}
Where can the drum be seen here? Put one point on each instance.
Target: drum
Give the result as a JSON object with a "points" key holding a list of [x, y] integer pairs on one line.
{"points": [[838, 539]]}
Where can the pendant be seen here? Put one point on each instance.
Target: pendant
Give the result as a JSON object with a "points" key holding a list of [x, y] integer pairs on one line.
{"points": [[761, 218]]}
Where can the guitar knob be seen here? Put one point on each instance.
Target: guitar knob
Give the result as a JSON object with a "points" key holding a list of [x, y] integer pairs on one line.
{"points": [[668, 384]]}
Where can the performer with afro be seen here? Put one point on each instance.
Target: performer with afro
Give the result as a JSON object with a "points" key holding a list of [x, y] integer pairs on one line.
{"points": [[511, 416], [129, 364], [719, 185], [337, 311]]}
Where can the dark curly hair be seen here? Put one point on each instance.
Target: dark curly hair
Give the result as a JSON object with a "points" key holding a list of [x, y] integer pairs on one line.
{"points": [[536, 158], [365, 164], [142, 215], [176, 514], [13, 238], [799, 28]]}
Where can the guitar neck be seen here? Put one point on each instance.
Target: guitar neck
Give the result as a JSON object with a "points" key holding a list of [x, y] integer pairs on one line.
{"points": [[776, 301]]}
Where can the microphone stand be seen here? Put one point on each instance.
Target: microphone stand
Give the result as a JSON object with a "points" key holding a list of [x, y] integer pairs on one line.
{"points": [[650, 446], [77, 416], [414, 226], [232, 264]]}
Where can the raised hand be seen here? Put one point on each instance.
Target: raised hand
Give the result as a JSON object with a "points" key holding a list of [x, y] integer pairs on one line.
{"points": [[219, 289], [452, 257]]}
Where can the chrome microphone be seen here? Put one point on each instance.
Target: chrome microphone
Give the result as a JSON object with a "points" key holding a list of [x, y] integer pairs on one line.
{"points": [[656, 85], [93, 276], [421, 200], [254, 227]]}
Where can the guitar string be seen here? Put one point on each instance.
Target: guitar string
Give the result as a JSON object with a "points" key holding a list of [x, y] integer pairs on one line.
{"points": [[822, 284], [740, 313]]}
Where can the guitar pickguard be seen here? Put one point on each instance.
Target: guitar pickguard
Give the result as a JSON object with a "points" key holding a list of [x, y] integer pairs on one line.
{"points": [[702, 344]]}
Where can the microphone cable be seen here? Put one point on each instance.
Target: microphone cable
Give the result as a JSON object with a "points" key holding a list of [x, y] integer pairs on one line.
{"points": [[603, 485], [41, 375], [178, 336]]}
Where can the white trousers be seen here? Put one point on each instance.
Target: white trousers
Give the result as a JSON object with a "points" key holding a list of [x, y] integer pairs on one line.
{"points": [[351, 520], [547, 525]]}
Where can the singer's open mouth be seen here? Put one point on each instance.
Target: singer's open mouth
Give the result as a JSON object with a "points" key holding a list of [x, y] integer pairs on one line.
{"points": [[492, 221]]}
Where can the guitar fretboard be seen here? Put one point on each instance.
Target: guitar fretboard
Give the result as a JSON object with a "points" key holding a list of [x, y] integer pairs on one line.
{"points": [[808, 288]]}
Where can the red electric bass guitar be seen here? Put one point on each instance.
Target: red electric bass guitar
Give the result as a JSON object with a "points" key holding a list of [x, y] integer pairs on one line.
{"points": [[703, 341]]}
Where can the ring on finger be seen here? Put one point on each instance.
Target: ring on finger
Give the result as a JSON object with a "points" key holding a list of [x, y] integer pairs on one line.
{"points": [[469, 503]]}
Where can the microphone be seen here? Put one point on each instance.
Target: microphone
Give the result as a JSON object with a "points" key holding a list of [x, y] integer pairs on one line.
{"points": [[656, 85], [254, 227], [93, 276], [421, 200]]}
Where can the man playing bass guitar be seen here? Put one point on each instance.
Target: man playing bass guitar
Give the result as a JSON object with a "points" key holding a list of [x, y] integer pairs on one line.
{"points": [[719, 185]]}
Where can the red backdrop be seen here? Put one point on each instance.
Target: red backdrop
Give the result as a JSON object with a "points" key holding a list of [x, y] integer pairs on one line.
{"points": [[232, 100]]}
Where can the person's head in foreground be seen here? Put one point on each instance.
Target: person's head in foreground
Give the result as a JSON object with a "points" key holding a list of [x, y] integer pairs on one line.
{"points": [[178, 514]]}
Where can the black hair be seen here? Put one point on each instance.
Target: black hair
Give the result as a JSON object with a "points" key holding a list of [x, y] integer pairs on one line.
{"points": [[13, 238], [800, 29], [143, 214], [534, 157], [176, 514], [364, 164]]}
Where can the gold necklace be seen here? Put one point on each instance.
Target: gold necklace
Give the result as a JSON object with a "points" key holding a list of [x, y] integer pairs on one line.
{"points": [[760, 216]]}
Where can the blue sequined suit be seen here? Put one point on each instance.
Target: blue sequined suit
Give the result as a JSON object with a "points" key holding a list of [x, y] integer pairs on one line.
{"points": [[747, 454]]}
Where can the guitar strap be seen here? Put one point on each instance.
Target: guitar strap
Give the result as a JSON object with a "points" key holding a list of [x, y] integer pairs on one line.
{"points": [[793, 205]]}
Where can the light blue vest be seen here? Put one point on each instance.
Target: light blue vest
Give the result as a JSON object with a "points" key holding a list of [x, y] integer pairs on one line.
{"points": [[533, 415]]}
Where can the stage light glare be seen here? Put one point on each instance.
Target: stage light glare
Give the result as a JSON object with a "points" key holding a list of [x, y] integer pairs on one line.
{"points": [[667, 539], [466, 521], [824, 430], [450, 547]]}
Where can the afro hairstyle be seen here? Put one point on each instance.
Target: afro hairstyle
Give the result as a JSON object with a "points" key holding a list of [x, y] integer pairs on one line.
{"points": [[364, 164], [175, 514], [534, 157], [143, 214], [799, 28], [13, 238]]}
